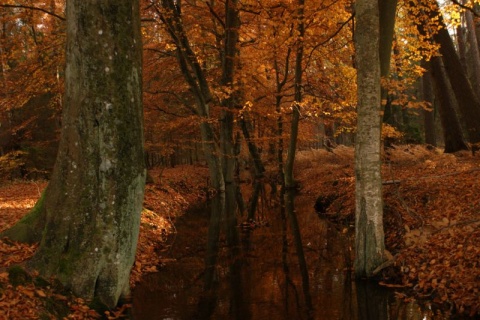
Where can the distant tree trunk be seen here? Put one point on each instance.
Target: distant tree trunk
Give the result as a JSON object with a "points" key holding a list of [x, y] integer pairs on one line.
{"points": [[292, 146], [369, 235], [93, 202], [429, 115], [393, 113], [232, 23], [468, 102], [198, 83], [280, 84], [462, 46], [473, 52], [452, 131], [229, 63]]}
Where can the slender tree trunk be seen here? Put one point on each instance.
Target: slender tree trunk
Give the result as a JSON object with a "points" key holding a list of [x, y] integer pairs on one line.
{"points": [[452, 131], [429, 115], [369, 235], [197, 81], [232, 23], [93, 202], [462, 46], [292, 146]]}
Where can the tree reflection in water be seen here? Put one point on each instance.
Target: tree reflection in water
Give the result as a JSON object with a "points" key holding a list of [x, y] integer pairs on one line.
{"points": [[291, 266]]}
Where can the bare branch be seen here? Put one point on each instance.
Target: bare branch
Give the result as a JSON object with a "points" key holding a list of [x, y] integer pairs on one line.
{"points": [[53, 14]]}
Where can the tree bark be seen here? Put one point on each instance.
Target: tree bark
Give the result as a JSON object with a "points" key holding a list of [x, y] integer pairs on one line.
{"points": [[198, 83], [452, 131], [387, 14], [428, 115], [369, 235], [292, 146], [468, 102], [473, 53], [232, 22], [93, 202]]}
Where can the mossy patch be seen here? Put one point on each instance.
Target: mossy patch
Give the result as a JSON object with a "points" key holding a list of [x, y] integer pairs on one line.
{"points": [[29, 228], [18, 276], [97, 305], [59, 308], [41, 282]]}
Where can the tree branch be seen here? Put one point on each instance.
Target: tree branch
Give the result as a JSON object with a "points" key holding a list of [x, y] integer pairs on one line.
{"points": [[33, 8]]}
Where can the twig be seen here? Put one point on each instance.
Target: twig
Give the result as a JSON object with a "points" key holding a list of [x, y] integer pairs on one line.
{"points": [[33, 8], [462, 223]]}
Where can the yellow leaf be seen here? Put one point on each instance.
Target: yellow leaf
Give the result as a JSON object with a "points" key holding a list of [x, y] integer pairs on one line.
{"points": [[41, 294]]}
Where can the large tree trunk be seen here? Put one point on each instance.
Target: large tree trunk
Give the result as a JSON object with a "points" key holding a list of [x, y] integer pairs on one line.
{"points": [[369, 235], [473, 56], [93, 202], [468, 102], [452, 131]]}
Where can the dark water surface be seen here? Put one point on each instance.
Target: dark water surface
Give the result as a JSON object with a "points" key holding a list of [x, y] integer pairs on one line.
{"points": [[262, 277]]}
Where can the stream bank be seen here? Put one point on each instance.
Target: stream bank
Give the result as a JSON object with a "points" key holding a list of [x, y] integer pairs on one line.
{"points": [[431, 219], [431, 226]]}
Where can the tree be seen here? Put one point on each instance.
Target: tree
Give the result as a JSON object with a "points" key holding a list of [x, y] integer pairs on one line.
{"points": [[88, 219], [369, 236], [290, 159], [428, 115], [468, 102], [452, 130]]}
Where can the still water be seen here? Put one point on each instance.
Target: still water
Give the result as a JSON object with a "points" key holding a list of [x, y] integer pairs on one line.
{"points": [[262, 276]]}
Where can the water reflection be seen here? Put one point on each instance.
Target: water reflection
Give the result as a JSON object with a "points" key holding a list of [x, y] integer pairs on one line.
{"points": [[294, 265]]}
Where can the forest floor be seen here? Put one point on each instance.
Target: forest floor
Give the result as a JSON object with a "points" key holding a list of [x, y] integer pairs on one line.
{"points": [[432, 227]]}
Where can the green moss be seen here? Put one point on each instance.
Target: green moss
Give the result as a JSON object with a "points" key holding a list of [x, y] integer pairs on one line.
{"points": [[41, 282], [29, 228], [18, 276], [97, 305], [64, 266], [44, 316], [58, 308]]}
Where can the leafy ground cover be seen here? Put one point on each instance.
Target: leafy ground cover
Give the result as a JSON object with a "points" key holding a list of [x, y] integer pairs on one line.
{"points": [[432, 225], [432, 217], [26, 296]]}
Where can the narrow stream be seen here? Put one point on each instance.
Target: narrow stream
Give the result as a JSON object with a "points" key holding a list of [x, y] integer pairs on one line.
{"points": [[263, 278]]}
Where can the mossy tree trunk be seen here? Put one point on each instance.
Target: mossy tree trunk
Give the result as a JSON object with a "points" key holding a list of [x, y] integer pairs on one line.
{"points": [[369, 235], [91, 208]]}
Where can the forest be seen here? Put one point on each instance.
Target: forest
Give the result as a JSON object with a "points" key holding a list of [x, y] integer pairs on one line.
{"points": [[239, 159]]}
